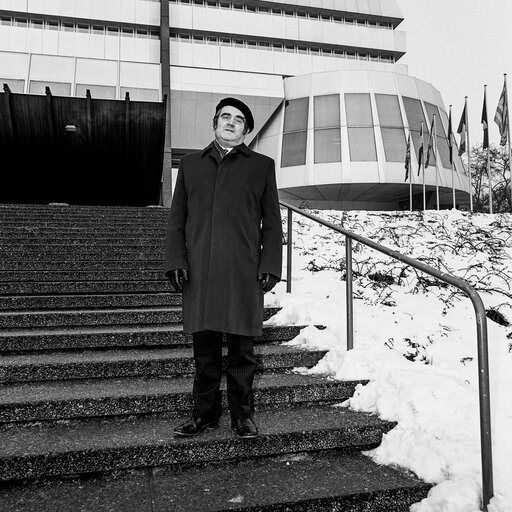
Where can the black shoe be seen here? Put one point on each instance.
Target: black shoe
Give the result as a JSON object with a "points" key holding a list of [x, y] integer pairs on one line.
{"points": [[195, 426], [244, 428]]}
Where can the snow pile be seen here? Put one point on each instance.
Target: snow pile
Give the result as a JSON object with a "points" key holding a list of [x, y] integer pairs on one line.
{"points": [[415, 339]]}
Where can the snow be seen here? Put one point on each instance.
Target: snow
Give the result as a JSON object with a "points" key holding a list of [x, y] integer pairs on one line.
{"points": [[414, 340]]}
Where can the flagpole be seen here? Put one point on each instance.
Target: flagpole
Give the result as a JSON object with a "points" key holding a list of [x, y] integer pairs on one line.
{"points": [[488, 154], [434, 150], [450, 147], [410, 190], [410, 176], [423, 167], [469, 157], [508, 139]]}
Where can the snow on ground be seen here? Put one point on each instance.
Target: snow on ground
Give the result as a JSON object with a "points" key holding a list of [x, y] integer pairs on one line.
{"points": [[414, 339]]}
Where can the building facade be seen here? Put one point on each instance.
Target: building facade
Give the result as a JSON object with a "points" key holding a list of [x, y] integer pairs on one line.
{"points": [[332, 103]]}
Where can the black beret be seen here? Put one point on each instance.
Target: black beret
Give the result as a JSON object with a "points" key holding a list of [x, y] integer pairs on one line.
{"points": [[240, 105]]}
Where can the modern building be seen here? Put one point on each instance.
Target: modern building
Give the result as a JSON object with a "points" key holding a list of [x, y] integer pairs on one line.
{"points": [[332, 102]]}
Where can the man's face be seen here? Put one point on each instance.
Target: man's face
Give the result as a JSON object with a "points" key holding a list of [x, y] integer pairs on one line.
{"points": [[230, 130]]}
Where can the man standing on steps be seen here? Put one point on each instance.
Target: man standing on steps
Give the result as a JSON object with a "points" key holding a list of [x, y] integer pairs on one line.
{"points": [[223, 252]]}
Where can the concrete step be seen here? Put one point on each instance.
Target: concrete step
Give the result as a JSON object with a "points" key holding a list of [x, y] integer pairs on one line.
{"points": [[80, 275], [57, 400], [82, 287], [304, 482], [71, 264], [114, 254], [118, 300], [98, 445], [71, 338], [70, 243], [98, 210], [144, 362], [24, 319]]}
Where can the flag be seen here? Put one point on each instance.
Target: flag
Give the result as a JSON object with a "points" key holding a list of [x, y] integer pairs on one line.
{"points": [[408, 157], [501, 116], [485, 125], [420, 152], [461, 130], [430, 145], [450, 148]]}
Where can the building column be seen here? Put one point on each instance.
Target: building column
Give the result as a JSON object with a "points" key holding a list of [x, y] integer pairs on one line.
{"points": [[165, 53]]}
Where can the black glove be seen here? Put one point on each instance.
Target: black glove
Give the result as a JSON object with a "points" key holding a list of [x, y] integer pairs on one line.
{"points": [[176, 277], [268, 281]]}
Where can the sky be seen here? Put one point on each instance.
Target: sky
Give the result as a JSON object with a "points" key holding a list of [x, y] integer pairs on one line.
{"points": [[458, 46], [415, 342]]}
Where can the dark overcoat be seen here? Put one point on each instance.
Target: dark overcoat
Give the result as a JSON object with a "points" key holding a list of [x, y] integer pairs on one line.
{"points": [[225, 229]]}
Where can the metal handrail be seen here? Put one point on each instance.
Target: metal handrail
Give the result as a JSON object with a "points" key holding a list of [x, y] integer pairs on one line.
{"points": [[481, 327]]}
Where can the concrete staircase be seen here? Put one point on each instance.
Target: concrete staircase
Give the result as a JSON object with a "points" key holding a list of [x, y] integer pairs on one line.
{"points": [[95, 371]]}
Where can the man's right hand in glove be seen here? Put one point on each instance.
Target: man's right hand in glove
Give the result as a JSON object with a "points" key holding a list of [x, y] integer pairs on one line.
{"points": [[176, 277]]}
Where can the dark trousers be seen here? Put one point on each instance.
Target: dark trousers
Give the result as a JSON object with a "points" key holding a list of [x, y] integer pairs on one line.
{"points": [[240, 370]]}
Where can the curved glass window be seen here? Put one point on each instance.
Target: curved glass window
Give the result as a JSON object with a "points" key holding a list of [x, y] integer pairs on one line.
{"points": [[391, 127], [327, 129], [441, 139], [295, 132], [415, 116], [361, 137]]}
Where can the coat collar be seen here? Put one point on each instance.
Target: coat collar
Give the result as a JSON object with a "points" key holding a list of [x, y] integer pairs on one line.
{"points": [[241, 148]]}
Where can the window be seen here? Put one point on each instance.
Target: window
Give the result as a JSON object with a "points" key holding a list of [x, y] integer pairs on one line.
{"points": [[302, 14], [239, 43], [289, 13], [290, 48], [339, 53], [327, 128], [5, 20], [198, 39], [211, 3], [251, 8], [415, 117], [391, 127], [16, 85], [361, 137], [52, 25], [225, 41], [39, 24], [337, 19], [264, 45], [21, 22], [112, 31], [314, 50], [99, 30], [82, 28], [302, 49], [252, 44], [277, 47], [295, 132], [263, 9], [107, 92], [56, 88], [154, 34], [212, 40], [277, 12], [238, 7], [68, 27], [325, 17], [441, 139]]}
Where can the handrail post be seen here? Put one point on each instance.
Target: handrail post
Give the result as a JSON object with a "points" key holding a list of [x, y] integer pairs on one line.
{"points": [[485, 400], [350, 304], [289, 244]]}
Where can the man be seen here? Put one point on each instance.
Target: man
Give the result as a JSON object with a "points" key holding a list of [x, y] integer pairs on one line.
{"points": [[223, 252]]}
